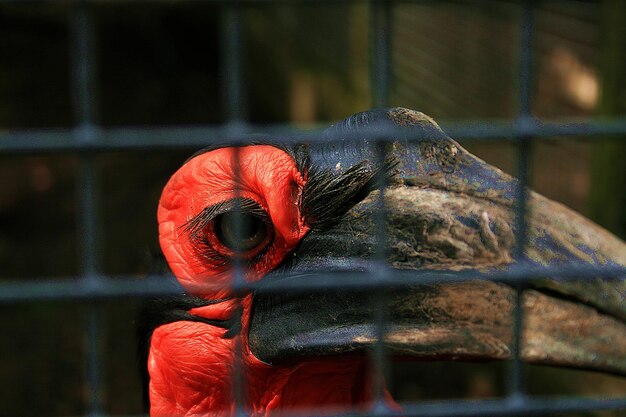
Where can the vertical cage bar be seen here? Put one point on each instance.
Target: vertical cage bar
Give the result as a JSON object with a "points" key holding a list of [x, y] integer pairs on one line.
{"points": [[238, 282], [83, 65], [83, 80], [94, 358], [380, 41], [516, 375], [380, 69], [525, 62], [90, 269], [379, 356], [236, 113], [231, 55]]}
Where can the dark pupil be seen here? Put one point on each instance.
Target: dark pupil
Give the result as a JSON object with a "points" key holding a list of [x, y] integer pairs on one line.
{"points": [[251, 234]]}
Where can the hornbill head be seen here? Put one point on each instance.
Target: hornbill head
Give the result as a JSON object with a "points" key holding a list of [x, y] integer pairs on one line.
{"points": [[310, 215]]}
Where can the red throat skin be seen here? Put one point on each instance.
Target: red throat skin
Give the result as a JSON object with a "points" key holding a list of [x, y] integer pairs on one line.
{"points": [[191, 363], [191, 370]]}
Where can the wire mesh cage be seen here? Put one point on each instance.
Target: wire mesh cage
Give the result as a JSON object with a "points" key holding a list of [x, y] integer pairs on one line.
{"points": [[230, 91]]}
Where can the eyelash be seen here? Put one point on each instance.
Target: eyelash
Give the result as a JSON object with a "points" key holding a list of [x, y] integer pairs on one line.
{"points": [[196, 230]]}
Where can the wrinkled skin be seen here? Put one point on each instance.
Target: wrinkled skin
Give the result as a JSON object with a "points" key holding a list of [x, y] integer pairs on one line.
{"points": [[190, 366]]}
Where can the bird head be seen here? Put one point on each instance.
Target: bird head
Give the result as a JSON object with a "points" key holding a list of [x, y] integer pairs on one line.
{"points": [[292, 215]]}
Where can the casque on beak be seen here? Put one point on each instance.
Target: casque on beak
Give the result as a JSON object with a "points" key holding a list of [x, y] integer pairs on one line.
{"points": [[446, 211]]}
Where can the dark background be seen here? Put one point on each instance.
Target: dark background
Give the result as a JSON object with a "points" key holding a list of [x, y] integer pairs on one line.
{"points": [[306, 64]]}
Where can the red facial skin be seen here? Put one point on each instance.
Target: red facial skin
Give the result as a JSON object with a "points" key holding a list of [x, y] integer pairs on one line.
{"points": [[268, 176], [190, 363]]}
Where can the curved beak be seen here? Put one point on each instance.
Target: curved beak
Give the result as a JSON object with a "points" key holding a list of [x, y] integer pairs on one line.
{"points": [[446, 211]]}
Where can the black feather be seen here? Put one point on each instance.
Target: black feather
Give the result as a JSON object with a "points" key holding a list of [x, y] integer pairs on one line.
{"points": [[328, 195]]}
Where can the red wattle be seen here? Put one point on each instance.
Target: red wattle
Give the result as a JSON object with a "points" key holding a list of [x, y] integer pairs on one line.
{"points": [[191, 364]]}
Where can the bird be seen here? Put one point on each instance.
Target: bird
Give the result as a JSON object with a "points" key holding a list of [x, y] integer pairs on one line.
{"points": [[271, 214]]}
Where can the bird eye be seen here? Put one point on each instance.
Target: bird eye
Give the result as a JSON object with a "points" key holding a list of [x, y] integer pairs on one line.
{"points": [[252, 234]]}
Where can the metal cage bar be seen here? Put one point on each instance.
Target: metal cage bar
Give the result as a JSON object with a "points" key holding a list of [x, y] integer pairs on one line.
{"points": [[524, 143], [88, 138], [380, 59], [83, 82], [193, 137], [234, 103], [130, 286]]}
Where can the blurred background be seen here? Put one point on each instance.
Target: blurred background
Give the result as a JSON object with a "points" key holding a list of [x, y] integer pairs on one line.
{"points": [[305, 64]]}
